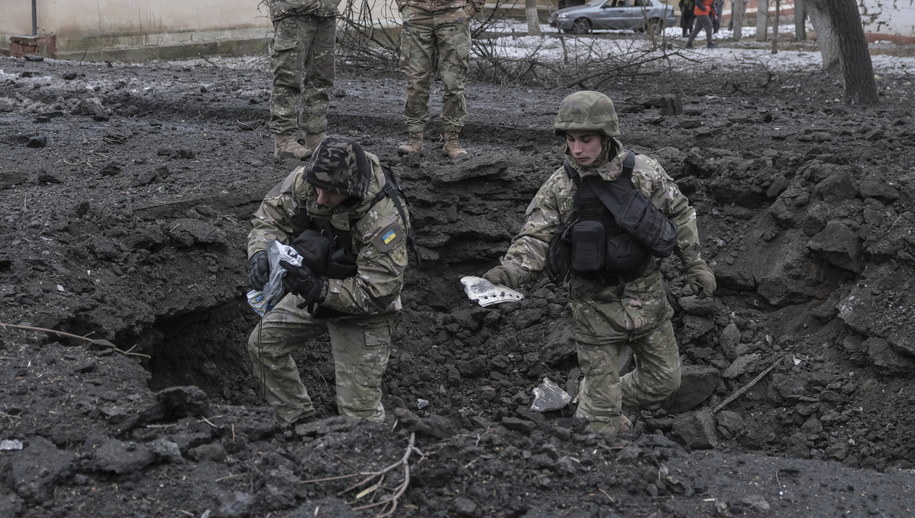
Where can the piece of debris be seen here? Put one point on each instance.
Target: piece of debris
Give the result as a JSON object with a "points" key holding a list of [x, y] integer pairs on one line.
{"points": [[549, 396]]}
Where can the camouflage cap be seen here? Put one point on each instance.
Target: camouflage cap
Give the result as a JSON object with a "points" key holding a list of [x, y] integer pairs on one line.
{"points": [[587, 111], [339, 165]]}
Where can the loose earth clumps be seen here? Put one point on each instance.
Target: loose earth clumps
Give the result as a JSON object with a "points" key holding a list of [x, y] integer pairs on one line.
{"points": [[127, 192]]}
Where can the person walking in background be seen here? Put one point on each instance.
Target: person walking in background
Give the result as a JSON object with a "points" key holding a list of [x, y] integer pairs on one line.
{"points": [[717, 11], [576, 229], [703, 12], [686, 16], [349, 223], [304, 39], [436, 36]]}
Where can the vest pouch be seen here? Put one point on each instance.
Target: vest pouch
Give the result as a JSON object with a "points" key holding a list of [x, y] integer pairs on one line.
{"points": [[626, 255], [588, 246], [648, 224]]}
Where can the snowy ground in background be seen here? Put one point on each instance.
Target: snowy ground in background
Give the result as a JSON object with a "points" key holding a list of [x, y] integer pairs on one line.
{"points": [[746, 53], [548, 47]]}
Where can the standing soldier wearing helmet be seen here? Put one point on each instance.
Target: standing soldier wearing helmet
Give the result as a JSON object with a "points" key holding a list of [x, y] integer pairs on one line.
{"points": [[602, 222], [304, 39], [348, 222], [436, 35]]}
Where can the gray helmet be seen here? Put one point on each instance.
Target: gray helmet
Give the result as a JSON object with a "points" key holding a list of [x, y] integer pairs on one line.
{"points": [[339, 165], [587, 111]]}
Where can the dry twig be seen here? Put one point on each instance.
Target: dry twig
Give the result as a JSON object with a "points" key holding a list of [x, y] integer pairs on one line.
{"points": [[93, 341], [373, 482]]}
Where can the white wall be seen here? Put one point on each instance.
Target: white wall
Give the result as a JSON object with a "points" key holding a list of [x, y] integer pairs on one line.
{"points": [[108, 26], [889, 19]]}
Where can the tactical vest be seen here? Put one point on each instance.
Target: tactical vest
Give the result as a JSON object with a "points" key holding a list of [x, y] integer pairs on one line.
{"points": [[612, 233]]}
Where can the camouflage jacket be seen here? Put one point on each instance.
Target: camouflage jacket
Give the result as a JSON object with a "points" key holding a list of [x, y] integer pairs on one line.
{"points": [[280, 9], [442, 5], [379, 240], [552, 206]]}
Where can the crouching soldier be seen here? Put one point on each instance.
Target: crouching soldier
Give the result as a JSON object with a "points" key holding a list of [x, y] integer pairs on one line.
{"points": [[347, 219], [602, 221]]}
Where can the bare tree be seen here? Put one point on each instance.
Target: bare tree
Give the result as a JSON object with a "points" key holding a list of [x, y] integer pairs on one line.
{"points": [[847, 32], [533, 21], [738, 8], [829, 47], [800, 12]]}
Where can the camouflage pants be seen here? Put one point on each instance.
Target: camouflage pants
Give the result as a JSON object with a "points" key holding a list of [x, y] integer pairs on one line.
{"points": [[603, 394], [303, 73], [361, 348], [431, 40]]}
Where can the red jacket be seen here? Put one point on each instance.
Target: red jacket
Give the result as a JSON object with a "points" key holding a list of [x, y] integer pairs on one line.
{"points": [[703, 8]]}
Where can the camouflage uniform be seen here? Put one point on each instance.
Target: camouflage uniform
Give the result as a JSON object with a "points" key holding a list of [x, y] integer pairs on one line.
{"points": [[603, 318], [303, 64], [436, 32], [369, 300]]}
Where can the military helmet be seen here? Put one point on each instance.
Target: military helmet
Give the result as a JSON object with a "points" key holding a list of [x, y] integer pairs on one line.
{"points": [[587, 111], [339, 165]]}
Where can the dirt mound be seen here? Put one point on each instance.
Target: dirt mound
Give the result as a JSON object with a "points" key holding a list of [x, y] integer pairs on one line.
{"points": [[126, 198]]}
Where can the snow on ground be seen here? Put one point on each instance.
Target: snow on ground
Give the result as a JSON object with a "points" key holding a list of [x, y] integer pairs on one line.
{"points": [[550, 47], [553, 46]]}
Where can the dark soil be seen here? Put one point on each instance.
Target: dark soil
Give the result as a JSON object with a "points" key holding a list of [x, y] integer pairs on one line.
{"points": [[125, 198]]}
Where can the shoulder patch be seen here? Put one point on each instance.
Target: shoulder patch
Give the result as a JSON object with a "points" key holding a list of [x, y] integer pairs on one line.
{"points": [[389, 238]]}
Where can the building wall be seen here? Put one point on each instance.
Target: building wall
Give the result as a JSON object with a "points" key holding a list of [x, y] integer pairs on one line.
{"points": [[108, 26], [138, 29]]}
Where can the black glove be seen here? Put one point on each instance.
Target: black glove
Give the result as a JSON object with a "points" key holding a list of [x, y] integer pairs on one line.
{"points": [[314, 247], [341, 265], [258, 270], [304, 283]]}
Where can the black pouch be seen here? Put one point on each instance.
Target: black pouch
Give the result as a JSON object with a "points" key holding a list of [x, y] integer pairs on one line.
{"points": [[625, 255], [640, 218], [588, 246]]}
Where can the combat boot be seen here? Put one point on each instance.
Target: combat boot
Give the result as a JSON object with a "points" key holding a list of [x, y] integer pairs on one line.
{"points": [[452, 146], [313, 139], [414, 144], [288, 144]]}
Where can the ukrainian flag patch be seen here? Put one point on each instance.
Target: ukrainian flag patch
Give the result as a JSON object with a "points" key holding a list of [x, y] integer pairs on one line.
{"points": [[389, 238]]}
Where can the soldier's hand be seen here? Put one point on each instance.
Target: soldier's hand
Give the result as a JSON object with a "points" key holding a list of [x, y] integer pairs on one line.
{"points": [[701, 279], [304, 283], [502, 275], [258, 270], [314, 247], [341, 265]]}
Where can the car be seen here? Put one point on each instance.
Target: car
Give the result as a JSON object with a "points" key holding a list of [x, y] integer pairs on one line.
{"points": [[638, 15]]}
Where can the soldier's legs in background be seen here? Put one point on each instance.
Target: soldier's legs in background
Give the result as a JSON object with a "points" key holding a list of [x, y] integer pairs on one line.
{"points": [[282, 331], [287, 60], [417, 51], [453, 43], [657, 372], [320, 72], [599, 396], [361, 351]]}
